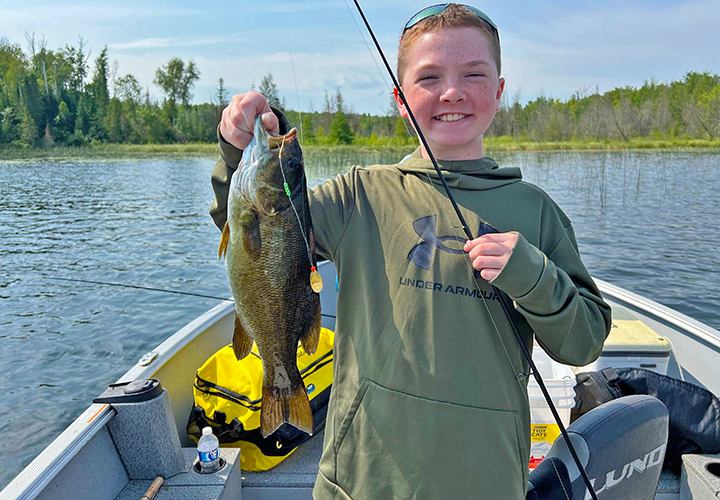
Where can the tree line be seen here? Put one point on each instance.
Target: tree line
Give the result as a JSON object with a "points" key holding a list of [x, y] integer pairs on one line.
{"points": [[688, 108], [50, 97]]}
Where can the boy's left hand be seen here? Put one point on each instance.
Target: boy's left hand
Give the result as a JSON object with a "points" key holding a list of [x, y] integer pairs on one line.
{"points": [[490, 252]]}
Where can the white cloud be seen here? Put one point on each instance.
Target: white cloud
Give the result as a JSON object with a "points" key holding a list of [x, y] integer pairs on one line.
{"points": [[582, 45], [155, 43], [612, 47]]}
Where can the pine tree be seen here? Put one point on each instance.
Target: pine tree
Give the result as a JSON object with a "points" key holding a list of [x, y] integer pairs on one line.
{"points": [[99, 97], [308, 126], [28, 130], [340, 132], [113, 121], [64, 121], [222, 94], [269, 89], [340, 103], [82, 119]]}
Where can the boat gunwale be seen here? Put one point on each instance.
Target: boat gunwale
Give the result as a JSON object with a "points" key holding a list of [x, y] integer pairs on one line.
{"points": [[176, 342], [31, 481], [683, 323]]}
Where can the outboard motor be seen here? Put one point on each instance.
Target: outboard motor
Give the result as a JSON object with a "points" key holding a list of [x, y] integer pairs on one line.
{"points": [[621, 445]]}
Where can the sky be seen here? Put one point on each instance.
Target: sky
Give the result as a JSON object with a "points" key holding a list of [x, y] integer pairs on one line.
{"points": [[553, 49]]}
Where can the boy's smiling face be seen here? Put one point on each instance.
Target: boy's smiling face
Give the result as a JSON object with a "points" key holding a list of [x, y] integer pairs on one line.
{"points": [[454, 90]]}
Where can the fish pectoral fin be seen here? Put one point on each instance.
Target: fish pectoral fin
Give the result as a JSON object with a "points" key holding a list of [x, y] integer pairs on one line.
{"points": [[242, 342], [312, 337], [251, 235], [289, 405], [224, 240]]}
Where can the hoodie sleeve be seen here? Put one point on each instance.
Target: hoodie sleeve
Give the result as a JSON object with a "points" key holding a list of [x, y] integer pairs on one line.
{"points": [[557, 296], [224, 168], [332, 204]]}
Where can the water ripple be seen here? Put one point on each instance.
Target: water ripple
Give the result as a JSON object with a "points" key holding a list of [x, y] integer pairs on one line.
{"points": [[644, 221]]}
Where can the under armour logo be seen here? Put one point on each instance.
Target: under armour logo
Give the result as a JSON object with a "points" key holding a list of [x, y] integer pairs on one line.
{"points": [[422, 254]]}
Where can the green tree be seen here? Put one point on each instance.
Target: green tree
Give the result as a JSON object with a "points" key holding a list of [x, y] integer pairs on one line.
{"points": [[64, 121], [77, 59], [113, 121], [400, 131], [269, 89], [340, 132], [28, 130], [308, 127], [99, 97], [98, 88], [340, 103], [177, 80], [8, 125], [221, 94], [82, 120], [128, 88]]}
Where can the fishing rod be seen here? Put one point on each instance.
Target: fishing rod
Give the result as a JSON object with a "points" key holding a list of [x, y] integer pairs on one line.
{"points": [[468, 233]]}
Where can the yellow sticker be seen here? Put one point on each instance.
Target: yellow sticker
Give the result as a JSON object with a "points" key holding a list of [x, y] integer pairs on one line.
{"points": [[546, 433]]}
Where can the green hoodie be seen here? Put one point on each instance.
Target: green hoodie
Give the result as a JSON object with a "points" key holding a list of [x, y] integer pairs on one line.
{"points": [[429, 398]]}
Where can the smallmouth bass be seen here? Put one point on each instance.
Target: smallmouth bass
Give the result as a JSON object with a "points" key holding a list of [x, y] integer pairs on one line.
{"points": [[269, 245]]}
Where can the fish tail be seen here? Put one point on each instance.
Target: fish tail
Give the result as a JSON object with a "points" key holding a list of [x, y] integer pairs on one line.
{"points": [[289, 405]]}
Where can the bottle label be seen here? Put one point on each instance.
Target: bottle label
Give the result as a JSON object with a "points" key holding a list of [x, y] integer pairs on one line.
{"points": [[209, 456]]}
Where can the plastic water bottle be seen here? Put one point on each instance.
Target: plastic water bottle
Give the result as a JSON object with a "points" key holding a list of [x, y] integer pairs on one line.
{"points": [[208, 451]]}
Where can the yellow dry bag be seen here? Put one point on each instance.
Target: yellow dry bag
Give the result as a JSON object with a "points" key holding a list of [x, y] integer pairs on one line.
{"points": [[227, 397]]}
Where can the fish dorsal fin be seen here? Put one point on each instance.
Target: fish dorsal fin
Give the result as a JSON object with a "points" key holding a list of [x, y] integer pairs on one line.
{"points": [[224, 240]]}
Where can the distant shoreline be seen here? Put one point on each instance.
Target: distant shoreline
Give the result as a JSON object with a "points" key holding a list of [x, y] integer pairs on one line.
{"points": [[492, 144]]}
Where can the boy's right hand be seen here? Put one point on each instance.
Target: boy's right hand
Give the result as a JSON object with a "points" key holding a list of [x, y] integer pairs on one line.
{"points": [[238, 118]]}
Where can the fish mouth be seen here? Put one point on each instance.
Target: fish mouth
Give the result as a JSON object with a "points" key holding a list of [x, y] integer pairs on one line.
{"points": [[275, 143]]}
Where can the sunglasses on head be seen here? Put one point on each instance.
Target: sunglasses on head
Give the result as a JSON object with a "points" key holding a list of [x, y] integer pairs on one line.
{"points": [[433, 10]]}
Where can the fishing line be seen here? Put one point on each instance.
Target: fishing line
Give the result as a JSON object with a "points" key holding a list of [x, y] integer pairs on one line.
{"points": [[315, 278], [468, 233], [297, 95], [150, 289], [289, 195], [517, 375], [382, 75]]}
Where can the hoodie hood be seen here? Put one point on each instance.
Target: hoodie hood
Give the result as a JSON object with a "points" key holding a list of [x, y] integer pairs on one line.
{"points": [[477, 174]]}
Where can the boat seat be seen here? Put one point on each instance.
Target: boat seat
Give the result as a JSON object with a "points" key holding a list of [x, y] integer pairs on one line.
{"points": [[621, 445], [549, 481]]}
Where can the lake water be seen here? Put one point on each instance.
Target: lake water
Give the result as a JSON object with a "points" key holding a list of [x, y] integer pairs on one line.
{"points": [[647, 222]]}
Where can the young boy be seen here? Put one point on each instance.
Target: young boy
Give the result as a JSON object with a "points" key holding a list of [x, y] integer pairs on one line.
{"points": [[429, 397]]}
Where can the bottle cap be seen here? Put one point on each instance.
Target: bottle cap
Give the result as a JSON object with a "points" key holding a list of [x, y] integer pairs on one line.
{"points": [[207, 431]]}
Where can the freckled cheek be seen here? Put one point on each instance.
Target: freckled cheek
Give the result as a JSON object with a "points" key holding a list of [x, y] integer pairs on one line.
{"points": [[421, 104], [485, 99]]}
